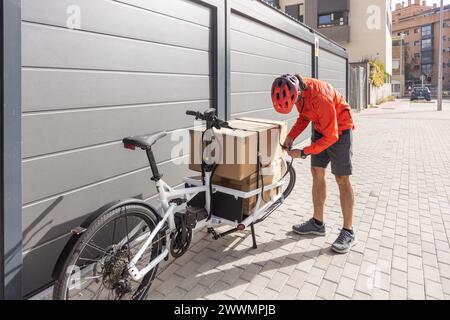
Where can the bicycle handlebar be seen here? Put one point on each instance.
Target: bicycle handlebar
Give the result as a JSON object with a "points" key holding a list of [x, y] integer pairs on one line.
{"points": [[210, 117], [194, 113]]}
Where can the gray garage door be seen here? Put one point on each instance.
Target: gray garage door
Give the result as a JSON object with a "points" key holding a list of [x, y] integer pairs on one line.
{"points": [[258, 55], [333, 69], [84, 90]]}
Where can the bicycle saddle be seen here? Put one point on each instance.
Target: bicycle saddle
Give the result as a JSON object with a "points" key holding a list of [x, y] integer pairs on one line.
{"points": [[145, 141]]}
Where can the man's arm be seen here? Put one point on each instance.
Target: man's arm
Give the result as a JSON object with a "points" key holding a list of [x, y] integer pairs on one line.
{"points": [[328, 120], [298, 127]]}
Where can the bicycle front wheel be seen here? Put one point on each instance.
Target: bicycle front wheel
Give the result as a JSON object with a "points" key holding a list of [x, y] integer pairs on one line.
{"points": [[97, 266]]}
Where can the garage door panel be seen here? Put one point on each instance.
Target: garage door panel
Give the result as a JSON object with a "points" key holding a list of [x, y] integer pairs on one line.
{"points": [[333, 69], [65, 89], [38, 130], [250, 101], [118, 19], [250, 82], [46, 219], [259, 54], [251, 44], [45, 46], [256, 29], [243, 62], [104, 161], [37, 262], [184, 9], [269, 113]]}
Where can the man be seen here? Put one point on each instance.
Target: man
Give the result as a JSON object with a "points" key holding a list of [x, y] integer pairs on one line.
{"points": [[318, 102]]}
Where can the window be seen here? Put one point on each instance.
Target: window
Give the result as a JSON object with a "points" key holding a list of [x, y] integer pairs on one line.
{"points": [[297, 11], [396, 64], [302, 12], [427, 44], [426, 31], [405, 33], [427, 57], [332, 19], [427, 69], [274, 3], [417, 55], [417, 43]]}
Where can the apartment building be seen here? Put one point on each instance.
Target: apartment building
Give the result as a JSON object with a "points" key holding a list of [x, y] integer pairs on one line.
{"points": [[363, 27], [398, 66], [418, 24]]}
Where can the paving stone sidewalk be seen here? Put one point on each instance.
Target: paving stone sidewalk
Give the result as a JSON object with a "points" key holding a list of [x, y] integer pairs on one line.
{"points": [[402, 218]]}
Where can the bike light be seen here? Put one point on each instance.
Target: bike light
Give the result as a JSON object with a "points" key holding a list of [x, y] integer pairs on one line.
{"points": [[241, 227], [129, 146], [77, 231]]}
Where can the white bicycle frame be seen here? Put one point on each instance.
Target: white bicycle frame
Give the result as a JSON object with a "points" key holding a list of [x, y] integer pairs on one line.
{"points": [[166, 193]]}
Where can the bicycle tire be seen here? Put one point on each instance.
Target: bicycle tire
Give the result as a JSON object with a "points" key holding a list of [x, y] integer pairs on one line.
{"points": [[61, 284], [292, 180]]}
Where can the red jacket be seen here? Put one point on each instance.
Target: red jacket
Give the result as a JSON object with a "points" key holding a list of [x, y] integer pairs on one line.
{"points": [[327, 109]]}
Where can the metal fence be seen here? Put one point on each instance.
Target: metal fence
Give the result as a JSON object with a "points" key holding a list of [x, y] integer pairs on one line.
{"points": [[359, 86]]}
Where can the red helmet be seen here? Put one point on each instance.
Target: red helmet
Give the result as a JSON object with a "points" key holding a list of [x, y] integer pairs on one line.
{"points": [[285, 91]]}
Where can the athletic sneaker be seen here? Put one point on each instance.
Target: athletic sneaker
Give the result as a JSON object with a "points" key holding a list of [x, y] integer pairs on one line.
{"points": [[310, 227], [344, 242]]}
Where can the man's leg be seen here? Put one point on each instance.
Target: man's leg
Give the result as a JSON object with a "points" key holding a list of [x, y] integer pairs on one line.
{"points": [[319, 192], [347, 198], [315, 225], [341, 167]]}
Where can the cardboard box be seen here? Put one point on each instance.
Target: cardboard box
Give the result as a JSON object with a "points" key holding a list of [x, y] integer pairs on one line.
{"points": [[280, 134], [236, 150], [230, 149], [251, 183], [273, 174]]}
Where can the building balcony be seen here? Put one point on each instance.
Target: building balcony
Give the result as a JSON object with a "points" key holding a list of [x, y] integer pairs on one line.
{"points": [[337, 33]]}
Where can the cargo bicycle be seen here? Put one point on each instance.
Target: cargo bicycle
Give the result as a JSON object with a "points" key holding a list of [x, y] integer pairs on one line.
{"points": [[116, 252]]}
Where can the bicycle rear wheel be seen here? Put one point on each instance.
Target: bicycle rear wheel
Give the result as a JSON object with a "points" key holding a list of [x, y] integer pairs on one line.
{"points": [[291, 178], [97, 266]]}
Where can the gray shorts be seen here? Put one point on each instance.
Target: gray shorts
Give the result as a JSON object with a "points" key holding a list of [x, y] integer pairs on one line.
{"points": [[339, 154]]}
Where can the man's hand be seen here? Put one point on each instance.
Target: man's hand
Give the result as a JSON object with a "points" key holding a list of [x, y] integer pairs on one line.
{"points": [[288, 143], [297, 153]]}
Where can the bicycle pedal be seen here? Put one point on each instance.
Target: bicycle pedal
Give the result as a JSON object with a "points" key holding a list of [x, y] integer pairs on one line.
{"points": [[214, 234]]}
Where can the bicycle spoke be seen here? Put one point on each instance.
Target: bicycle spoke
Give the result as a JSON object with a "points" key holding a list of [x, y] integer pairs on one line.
{"points": [[99, 290], [128, 239], [114, 231], [92, 260], [94, 246]]}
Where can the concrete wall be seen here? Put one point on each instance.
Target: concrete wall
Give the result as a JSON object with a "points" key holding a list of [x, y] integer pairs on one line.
{"points": [[368, 19], [378, 94], [369, 35]]}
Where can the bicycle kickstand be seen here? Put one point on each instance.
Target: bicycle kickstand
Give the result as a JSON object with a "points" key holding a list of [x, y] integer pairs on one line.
{"points": [[255, 246]]}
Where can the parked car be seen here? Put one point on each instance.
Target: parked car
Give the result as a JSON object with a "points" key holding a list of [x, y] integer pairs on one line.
{"points": [[420, 93]]}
